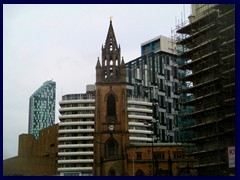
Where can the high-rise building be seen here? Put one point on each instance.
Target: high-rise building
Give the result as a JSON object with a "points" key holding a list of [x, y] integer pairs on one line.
{"points": [[153, 77], [206, 48], [75, 133], [42, 108]]}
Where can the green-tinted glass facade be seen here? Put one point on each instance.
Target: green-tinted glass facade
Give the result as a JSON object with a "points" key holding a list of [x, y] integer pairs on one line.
{"points": [[42, 108]]}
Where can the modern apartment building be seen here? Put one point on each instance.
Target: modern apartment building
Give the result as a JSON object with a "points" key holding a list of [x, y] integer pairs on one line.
{"points": [[75, 133], [42, 108], [153, 77], [206, 48]]}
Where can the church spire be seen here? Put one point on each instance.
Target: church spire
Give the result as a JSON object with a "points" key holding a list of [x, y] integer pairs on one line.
{"points": [[111, 59], [111, 42]]}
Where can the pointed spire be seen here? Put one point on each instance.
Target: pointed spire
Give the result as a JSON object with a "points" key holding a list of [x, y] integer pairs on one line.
{"points": [[98, 64], [111, 39], [122, 63]]}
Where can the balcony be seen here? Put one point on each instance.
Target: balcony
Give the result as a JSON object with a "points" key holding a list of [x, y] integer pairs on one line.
{"points": [[75, 161], [76, 123], [73, 169], [75, 138], [139, 117], [75, 153], [76, 131], [75, 146], [90, 108], [72, 116]]}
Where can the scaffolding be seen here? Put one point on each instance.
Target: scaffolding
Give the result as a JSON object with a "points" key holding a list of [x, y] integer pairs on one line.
{"points": [[206, 63]]}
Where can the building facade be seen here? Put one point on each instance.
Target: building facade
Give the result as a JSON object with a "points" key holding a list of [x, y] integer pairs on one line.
{"points": [[36, 157], [153, 76], [111, 119], [42, 108], [206, 47], [159, 159], [75, 133]]}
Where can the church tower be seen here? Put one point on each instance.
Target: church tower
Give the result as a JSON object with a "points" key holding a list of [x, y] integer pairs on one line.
{"points": [[111, 122]]}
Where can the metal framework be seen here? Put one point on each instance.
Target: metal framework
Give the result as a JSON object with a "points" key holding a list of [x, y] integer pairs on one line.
{"points": [[206, 62]]}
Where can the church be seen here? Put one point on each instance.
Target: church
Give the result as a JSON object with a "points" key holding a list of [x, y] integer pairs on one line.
{"points": [[114, 155]]}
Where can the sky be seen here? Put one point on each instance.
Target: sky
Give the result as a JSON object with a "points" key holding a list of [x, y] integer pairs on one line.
{"points": [[62, 43]]}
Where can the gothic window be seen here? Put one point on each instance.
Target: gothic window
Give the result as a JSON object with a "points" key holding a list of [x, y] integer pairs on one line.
{"points": [[111, 148], [111, 62], [111, 105], [105, 74], [105, 61], [111, 72], [111, 172]]}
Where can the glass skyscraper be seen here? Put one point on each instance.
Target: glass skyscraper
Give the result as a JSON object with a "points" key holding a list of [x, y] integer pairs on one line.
{"points": [[42, 108]]}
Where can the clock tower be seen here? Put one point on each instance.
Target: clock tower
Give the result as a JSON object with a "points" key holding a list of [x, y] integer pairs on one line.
{"points": [[111, 120]]}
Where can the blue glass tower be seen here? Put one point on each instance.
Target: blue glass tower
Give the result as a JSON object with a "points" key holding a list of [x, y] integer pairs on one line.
{"points": [[42, 108]]}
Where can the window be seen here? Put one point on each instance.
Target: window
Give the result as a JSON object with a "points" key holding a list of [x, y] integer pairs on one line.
{"points": [[111, 105], [111, 148], [159, 155], [174, 70], [162, 117], [162, 101], [169, 124], [169, 107], [111, 62], [111, 72], [168, 75], [139, 155], [168, 91]]}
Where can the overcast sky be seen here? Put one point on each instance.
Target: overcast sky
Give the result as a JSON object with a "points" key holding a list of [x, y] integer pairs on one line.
{"points": [[62, 42]]}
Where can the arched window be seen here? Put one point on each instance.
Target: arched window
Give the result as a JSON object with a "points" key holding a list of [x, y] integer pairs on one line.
{"points": [[111, 72], [139, 172], [111, 62], [111, 47], [105, 63], [111, 172], [112, 146], [111, 105], [105, 74]]}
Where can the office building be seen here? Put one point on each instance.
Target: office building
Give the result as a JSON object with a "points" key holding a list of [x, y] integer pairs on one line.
{"points": [[42, 108]]}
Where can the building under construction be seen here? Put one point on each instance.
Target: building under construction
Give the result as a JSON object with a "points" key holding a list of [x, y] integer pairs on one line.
{"points": [[206, 49]]}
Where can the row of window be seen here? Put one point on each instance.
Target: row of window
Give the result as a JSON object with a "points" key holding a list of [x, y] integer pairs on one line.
{"points": [[161, 155]]}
